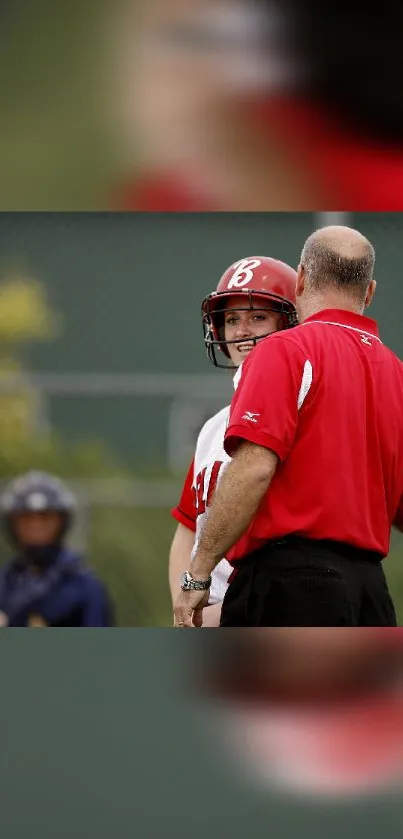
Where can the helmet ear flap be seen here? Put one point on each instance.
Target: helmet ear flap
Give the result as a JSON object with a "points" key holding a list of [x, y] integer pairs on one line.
{"points": [[212, 344], [216, 329], [212, 337]]}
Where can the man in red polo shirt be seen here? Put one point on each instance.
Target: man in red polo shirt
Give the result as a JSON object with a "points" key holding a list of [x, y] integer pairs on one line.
{"points": [[305, 509]]}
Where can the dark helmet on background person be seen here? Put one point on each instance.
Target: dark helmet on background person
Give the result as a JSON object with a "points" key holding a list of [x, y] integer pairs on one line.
{"points": [[36, 492], [266, 284]]}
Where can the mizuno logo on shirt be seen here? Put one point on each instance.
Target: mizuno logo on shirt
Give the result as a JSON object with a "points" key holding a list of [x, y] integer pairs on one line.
{"points": [[249, 416]]}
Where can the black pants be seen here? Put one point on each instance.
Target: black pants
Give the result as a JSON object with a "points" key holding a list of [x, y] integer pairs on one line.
{"points": [[303, 582]]}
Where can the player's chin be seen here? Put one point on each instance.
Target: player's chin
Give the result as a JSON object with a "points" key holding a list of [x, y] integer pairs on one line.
{"points": [[238, 356]]}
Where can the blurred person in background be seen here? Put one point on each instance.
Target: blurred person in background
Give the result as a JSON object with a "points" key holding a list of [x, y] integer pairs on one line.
{"points": [[235, 105], [46, 583], [316, 711], [254, 298]]}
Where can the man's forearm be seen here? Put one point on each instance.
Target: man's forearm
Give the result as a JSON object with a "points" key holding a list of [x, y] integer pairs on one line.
{"points": [[235, 502]]}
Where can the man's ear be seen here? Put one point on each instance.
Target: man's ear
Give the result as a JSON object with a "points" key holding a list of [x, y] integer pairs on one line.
{"points": [[299, 288], [370, 293]]}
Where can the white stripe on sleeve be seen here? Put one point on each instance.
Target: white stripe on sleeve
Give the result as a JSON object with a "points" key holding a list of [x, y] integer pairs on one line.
{"points": [[306, 382]]}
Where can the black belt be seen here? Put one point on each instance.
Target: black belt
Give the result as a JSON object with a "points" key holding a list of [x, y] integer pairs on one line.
{"points": [[350, 552]]}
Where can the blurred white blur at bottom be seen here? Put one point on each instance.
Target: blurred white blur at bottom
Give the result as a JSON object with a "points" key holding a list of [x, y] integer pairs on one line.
{"points": [[316, 712]]}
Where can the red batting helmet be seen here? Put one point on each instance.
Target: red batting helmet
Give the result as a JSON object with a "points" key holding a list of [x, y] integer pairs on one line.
{"points": [[266, 283]]}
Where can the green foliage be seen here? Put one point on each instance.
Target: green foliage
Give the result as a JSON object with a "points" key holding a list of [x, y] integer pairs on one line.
{"points": [[130, 551]]}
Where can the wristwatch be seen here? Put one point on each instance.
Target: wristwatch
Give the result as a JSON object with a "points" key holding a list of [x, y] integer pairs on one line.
{"points": [[189, 584]]}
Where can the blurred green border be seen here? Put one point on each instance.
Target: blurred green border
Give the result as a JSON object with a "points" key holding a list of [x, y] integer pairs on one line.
{"points": [[55, 147]]}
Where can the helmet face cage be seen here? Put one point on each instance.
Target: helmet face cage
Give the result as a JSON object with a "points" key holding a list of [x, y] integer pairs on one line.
{"points": [[213, 320]]}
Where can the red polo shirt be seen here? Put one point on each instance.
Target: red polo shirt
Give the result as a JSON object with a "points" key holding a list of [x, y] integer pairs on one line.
{"points": [[327, 398]]}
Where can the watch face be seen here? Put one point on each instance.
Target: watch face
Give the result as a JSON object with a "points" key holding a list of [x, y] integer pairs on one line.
{"points": [[185, 582]]}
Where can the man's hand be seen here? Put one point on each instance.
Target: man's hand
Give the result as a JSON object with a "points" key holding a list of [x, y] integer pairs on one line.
{"points": [[210, 616], [188, 611]]}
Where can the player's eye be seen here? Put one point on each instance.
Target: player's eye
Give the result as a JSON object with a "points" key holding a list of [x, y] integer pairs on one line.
{"points": [[231, 320]]}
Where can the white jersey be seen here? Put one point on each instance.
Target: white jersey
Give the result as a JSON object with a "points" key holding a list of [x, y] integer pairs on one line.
{"points": [[209, 462]]}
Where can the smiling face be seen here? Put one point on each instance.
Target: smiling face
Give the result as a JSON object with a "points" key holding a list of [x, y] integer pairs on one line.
{"points": [[242, 325]]}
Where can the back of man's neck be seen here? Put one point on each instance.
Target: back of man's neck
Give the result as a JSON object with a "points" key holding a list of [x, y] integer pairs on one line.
{"points": [[319, 304]]}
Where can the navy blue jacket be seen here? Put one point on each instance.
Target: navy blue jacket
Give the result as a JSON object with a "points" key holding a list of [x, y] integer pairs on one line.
{"points": [[66, 593]]}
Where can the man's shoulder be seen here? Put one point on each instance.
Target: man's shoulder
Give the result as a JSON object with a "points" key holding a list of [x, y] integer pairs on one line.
{"points": [[287, 342], [393, 357], [394, 361]]}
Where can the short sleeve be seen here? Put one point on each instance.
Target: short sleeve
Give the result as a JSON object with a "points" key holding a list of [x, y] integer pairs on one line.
{"points": [[265, 407], [185, 511]]}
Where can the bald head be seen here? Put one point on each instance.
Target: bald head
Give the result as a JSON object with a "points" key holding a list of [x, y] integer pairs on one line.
{"points": [[338, 258]]}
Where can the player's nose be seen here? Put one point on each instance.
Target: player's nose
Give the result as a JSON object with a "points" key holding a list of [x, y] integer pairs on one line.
{"points": [[243, 329]]}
